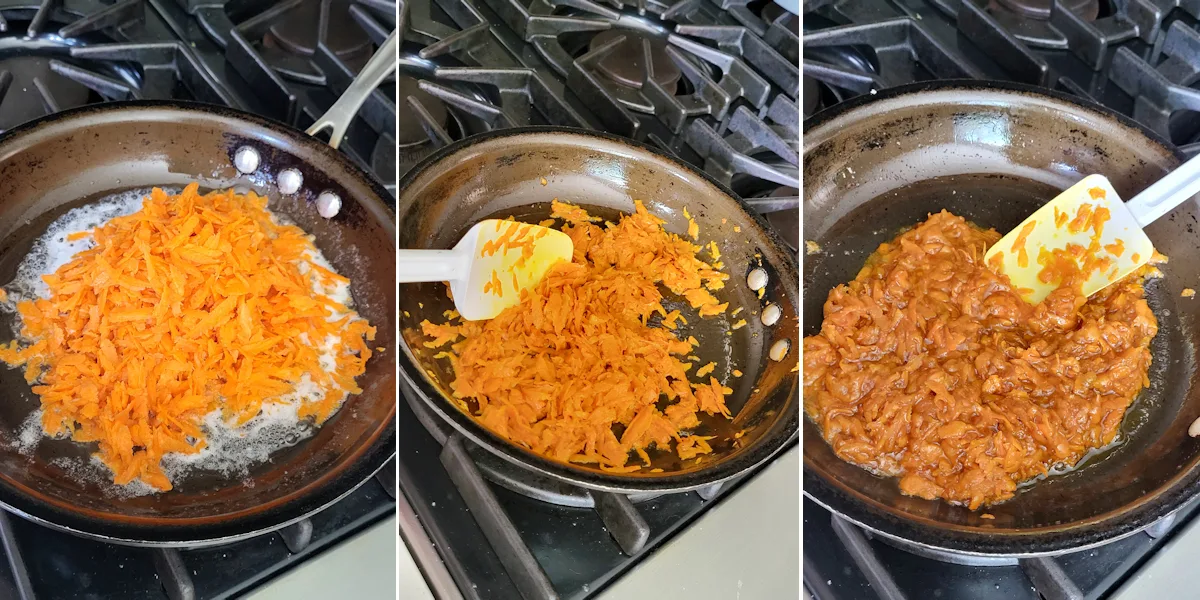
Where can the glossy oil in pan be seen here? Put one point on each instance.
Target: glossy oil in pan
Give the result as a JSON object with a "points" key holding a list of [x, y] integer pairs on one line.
{"points": [[78, 156], [993, 153], [501, 174]]}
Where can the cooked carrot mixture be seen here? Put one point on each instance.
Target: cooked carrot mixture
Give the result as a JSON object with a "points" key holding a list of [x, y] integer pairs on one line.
{"points": [[575, 372], [190, 305], [931, 368]]}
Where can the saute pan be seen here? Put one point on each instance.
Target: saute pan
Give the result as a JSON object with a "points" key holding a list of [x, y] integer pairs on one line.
{"points": [[69, 159], [501, 174], [993, 153]]}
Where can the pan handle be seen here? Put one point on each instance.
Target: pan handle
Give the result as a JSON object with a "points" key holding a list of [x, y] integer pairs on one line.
{"points": [[337, 118]]}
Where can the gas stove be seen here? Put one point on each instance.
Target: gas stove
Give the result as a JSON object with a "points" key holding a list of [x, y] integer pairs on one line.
{"points": [[284, 60], [1138, 57], [713, 82]]}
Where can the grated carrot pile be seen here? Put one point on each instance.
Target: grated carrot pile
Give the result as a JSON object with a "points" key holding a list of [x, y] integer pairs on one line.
{"points": [[190, 305], [574, 372]]}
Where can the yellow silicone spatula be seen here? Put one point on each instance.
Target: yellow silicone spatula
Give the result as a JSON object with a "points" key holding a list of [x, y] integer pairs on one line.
{"points": [[489, 266], [1121, 247]]}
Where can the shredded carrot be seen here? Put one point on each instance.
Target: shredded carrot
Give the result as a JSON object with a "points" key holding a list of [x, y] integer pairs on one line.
{"points": [[521, 374], [570, 213], [1117, 248], [191, 305], [706, 369], [1018, 245], [1060, 218], [78, 235]]}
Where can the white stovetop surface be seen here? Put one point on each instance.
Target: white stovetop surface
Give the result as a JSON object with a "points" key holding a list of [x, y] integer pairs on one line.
{"points": [[1171, 570], [745, 548], [363, 566]]}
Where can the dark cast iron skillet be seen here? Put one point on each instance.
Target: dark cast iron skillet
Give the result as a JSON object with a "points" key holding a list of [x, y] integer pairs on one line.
{"points": [[500, 174], [78, 156], [993, 153]]}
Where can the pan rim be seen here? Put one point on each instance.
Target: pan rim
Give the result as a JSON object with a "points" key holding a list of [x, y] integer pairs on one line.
{"points": [[1049, 540], [786, 429], [194, 532]]}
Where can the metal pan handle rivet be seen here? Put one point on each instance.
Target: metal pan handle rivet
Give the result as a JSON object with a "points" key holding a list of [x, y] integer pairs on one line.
{"points": [[328, 204], [289, 181], [757, 279], [770, 315], [337, 119], [246, 159], [779, 350]]}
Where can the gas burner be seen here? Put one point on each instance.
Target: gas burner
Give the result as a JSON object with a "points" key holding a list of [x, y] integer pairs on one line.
{"points": [[430, 112], [1039, 10], [457, 80], [39, 74], [433, 123], [286, 38], [31, 85], [812, 96], [1029, 20], [85, 62], [624, 65], [297, 32], [873, 56], [632, 67], [383, 160]]}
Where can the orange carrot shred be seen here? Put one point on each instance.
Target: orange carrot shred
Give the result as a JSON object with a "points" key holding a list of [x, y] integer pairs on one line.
{"points": [[520, 373], [194, 304]]}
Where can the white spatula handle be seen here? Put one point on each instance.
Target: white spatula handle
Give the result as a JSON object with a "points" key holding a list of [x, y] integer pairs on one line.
{"points": [[1167, 193], [416, 266]]}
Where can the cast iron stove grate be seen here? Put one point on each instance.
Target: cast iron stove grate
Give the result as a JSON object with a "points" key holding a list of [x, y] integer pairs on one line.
{"points": [[291, 59], [1139, 57], [63, 55]]}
